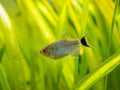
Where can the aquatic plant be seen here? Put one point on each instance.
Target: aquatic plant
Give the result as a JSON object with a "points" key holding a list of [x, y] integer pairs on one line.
{"points": [[28, 25]]}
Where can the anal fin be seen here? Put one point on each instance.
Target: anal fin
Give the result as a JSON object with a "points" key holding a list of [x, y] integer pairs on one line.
{"points": [[76, 52]]}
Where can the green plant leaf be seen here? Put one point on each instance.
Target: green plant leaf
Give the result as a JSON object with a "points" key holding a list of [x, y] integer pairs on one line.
{"points": [[4, 85], [103, 69], [16, 78], [2, 51]]}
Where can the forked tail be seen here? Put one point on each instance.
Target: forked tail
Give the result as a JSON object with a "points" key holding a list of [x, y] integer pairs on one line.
{"points": [[84, 42]]}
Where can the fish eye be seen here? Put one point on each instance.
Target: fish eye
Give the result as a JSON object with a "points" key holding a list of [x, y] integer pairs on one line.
{"points": [[44, 50]]}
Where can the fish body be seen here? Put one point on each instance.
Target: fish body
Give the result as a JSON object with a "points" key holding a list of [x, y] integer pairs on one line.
{"points": [[62, 48]]}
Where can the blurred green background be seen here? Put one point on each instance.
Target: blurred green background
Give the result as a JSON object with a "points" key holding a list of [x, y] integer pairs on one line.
{"points": [[28, 25]]}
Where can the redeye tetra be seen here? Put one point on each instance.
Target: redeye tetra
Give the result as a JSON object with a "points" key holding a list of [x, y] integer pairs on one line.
{"points": [[63, 48]]}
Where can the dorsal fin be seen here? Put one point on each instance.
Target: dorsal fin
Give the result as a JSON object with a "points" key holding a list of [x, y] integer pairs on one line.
{"points": [[65, 35], [84, 42]]}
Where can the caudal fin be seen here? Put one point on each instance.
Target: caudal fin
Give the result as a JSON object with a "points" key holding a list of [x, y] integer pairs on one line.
{"points": [[84, 42]]}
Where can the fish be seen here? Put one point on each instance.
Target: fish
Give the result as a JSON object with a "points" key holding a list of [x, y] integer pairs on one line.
{"points": [[62, 48]]}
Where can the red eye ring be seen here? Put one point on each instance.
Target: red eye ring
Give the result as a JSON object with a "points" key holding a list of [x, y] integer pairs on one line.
{"points": [[44, 50]]}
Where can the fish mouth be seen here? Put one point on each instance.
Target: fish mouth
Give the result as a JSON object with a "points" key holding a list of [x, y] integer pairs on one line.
{"points": [[41, 52]]}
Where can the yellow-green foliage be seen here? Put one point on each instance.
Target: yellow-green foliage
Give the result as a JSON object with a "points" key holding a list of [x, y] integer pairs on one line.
{"points": [[28, 25]]}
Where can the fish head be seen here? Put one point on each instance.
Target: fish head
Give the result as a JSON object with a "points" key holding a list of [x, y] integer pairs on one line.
{"points": [[44, 51], [47, 51]]}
